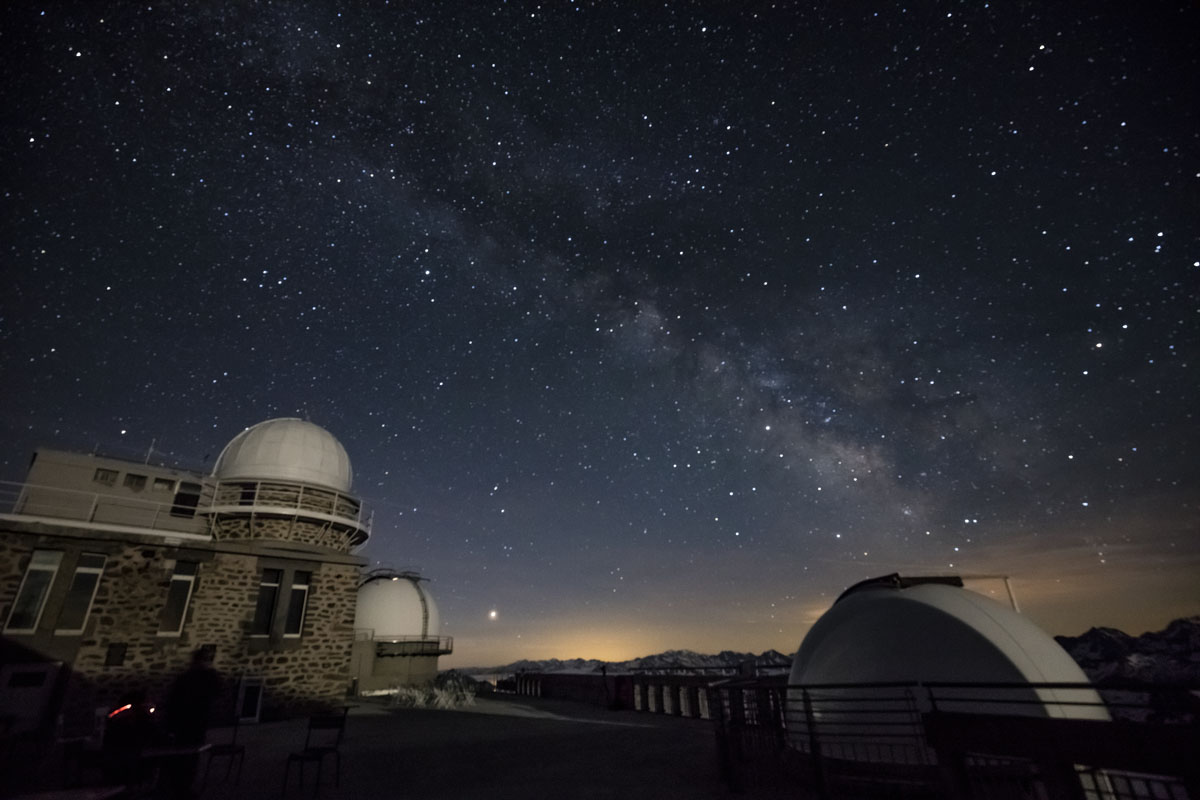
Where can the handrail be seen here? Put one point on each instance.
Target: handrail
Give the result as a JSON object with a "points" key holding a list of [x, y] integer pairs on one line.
{"points": [[911, 733], [42, 502]]}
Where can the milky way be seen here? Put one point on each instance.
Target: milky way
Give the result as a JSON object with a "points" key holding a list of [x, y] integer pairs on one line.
{"points": [[644, 327]]}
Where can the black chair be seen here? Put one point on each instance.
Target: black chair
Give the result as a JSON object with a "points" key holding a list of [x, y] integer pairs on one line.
{"points": [[324, 738], [231, 750]]}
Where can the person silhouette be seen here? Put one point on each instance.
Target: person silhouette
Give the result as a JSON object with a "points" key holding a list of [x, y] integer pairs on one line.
{"points": [[189, 705]]}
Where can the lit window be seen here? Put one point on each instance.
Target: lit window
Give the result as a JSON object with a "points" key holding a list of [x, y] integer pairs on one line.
{"points": [[31, 596], [135, 482], [108, 477], [268, 595], [297, 604], [78, 604], [179, 594]]}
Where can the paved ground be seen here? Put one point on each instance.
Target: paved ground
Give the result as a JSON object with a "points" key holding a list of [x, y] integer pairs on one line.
{"points": [[528, 748]]}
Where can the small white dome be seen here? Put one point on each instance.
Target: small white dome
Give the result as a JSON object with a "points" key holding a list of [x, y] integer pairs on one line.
{"points": [[934, 632], [395, 605], [290, 450]]}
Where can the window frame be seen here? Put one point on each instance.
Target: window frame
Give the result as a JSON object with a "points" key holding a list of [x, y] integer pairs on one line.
{"points": [[186, 500], [185, 572], [303, 589], [82, 569], [30, 568], [266, 587]]}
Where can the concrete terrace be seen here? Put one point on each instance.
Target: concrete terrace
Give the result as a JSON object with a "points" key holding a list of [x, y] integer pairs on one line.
{"points": [[503, 747]]}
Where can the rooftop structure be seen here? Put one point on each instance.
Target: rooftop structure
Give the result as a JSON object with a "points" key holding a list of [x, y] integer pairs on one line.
{"points": [[396, 632], [113, 571]]}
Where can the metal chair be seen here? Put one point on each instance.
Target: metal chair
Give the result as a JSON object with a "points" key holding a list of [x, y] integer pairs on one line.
{"points": [[324, 738], [231, 750]]}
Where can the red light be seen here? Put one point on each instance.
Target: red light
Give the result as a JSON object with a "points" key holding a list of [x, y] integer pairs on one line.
{"points": [[116, 711]]}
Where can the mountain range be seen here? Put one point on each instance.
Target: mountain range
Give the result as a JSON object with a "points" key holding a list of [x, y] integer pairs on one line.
{"points": [[1171, 655], [669, 661]]}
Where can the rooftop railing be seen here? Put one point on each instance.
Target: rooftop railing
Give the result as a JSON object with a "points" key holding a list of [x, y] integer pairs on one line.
{"points": [[952, 740], [416, 645], [408, 644], [291, 499], [183, 512], [75, 508]]}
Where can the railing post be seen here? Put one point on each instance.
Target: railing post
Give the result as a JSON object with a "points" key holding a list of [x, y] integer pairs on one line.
{"points": [[725, 738], [814, 747]]}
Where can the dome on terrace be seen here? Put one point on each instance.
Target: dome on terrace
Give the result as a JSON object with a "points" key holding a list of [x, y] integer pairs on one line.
{"points": [[289, 450], [394, 605], [932, 630]]}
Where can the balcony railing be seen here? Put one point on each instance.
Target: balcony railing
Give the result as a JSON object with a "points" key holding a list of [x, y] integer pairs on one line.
{"points": [[292, 500], [959, 740], [75, 508], [185, 512], [406, 645]]}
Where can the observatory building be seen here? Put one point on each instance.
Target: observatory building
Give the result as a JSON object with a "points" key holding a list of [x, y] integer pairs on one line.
{"points": [[396, 633], [112, 572], [894, 629], [870, 665]]}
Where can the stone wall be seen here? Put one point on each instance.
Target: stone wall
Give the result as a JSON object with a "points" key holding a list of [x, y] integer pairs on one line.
{"points": [[302, 673], [330, 535]]}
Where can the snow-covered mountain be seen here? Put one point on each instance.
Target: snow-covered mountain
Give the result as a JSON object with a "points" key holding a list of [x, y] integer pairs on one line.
{"points": [[1167, 656], [671, 660]]}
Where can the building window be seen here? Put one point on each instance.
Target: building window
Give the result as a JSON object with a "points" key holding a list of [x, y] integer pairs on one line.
{"points": [[179, 594], [108, 477], [268, 596], [297, 604], [135, 482], [186, 500], [31, 596], [164, 485], [77, 606], [114, 656]]}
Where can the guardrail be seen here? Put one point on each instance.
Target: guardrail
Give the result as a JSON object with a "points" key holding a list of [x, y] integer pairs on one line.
{"points": [[415, 645], [73, 506], [186, 512], [960, 740]]}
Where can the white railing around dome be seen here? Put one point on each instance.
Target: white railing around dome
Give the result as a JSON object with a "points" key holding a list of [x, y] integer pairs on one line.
{"points": [[292, 499], [72, 507]]}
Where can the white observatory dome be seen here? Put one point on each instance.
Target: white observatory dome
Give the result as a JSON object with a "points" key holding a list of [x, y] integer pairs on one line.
{"points": [[897, 629], [395, 605], [290, 450]]}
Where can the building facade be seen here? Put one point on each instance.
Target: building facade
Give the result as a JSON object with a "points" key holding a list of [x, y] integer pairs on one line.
{"points": [[113, 572]]}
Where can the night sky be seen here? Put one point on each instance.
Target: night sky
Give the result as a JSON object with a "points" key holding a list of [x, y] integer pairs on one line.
{"points": [[646, 326]]}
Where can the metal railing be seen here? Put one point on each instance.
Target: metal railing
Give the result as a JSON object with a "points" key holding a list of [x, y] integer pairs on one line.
{"points": [[959, 740], [72, 506], [188, 514], [298, 501], [413, 645]]}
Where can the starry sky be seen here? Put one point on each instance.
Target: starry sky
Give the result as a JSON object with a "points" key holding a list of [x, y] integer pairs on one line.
{"points": [[645, 326]]}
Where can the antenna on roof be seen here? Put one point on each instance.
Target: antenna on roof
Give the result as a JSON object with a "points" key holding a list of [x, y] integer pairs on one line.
{"points": [[150, 450]]}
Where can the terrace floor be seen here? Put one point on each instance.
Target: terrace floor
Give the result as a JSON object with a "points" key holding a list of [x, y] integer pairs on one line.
{"points": [[502, 747]]}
